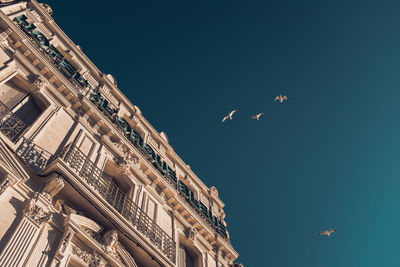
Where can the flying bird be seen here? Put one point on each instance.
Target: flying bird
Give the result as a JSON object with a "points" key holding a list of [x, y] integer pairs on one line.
{"points": [[327, 232], [257, 117], [281, 98], [229, 116]]}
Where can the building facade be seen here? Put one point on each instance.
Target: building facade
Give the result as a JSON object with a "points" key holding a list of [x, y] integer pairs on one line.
{"points": [[85, 180]]}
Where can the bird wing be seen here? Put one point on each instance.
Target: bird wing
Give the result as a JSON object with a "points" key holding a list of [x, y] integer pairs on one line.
{"points": [[276, 98], [233, 112], [284, 97], [224, 119], [323, 233], [260, 114], [253, 117], [331, 230]]}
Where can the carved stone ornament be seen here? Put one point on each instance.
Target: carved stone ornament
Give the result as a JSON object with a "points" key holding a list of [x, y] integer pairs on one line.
{"points": [[91, 259], [36, 213], [191, 233], [4, 185], [53, 185], [118, 145], [39, 82], [214, 190], [67, 239], [3, 40], [126, 162], [82, 254], [235, 264], [99, 261], [62, 207], [110, 243], [47, 8]]}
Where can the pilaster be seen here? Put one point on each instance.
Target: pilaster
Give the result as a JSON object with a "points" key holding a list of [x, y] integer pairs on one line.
{"points": [[24, 237]]}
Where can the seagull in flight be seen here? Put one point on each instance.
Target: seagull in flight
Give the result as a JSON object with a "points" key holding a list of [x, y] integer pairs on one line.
{"points": [[229, 116], [257, 117], [281, 98], [327, 232]]}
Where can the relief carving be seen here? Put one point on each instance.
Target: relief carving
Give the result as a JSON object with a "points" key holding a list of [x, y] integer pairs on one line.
{"points": [[83, 254], [36, 213], [53, 185], [47, 8], [115, 249], [126, 162], [91, 259], [39, 83], [63, 207], [99, 261], [214, 190], [67, 239], [110, 242], [191, 233], [4, 42]]}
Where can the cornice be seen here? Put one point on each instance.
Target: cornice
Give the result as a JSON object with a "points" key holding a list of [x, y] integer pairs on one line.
{"points": [[69, 93]]}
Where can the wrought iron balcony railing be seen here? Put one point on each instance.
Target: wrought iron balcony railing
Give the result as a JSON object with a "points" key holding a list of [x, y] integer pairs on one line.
{"points": [[106, 187], [33, 155], [38, 158], [10, 124]]}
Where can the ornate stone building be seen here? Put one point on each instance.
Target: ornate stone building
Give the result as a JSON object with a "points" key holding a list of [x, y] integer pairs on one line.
{"points": [[85, 180]]}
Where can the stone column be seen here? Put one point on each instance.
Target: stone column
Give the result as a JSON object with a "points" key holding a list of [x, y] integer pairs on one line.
{"points": [[24, 237]]}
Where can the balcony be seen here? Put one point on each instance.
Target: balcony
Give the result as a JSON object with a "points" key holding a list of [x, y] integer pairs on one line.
{"points": [[104, 185], [10, 125]]}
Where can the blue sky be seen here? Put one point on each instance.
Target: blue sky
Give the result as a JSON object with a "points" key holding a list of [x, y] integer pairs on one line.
{"points": [[328, 158]]}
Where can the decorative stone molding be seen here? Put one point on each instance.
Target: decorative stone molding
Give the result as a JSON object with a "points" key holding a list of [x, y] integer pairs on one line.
{"points": [[36, 15], [82, 254], [91, 259], [39, 81], [4, 41], [4, 185], [64, 208], [110, 242], [53, 185], [36, 213], [47, 8], [118, 145], [235, 264], [67, 238], [164, 136], [191, 233], [125, 162], [99, 261], [214, 190]]}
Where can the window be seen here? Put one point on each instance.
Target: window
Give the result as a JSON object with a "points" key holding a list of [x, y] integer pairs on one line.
{"points": [[18, 109], [185, 257], [115, 195]]}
